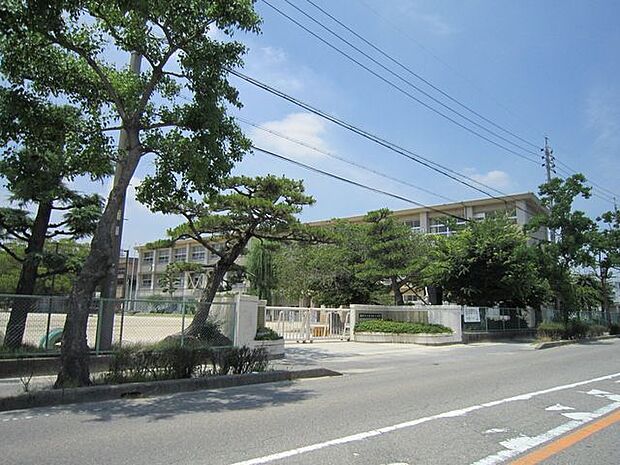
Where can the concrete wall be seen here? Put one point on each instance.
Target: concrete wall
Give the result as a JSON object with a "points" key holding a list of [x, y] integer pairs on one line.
{"points": [[247, 319], [446, 315]]}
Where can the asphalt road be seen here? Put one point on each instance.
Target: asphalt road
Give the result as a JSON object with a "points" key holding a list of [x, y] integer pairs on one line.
{"points": [[476, 404]]}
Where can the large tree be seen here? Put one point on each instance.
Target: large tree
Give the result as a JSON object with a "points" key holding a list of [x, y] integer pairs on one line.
{"points": [[64, 49], [224, 222], [604, 250], [488, 263], [573, 232], [395, 254], [328, 273], [42, 150]]}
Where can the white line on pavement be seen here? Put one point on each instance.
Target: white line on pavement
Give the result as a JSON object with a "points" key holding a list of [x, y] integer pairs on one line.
{"points": [[408, 424], [517, 446]]}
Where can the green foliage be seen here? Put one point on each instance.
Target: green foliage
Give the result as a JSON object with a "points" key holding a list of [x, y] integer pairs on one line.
{"points": [[573, 234], [393, 253], [60, 263], [327, 272], [263, 208], [260, 269], [169, 280], [132, 363], [574, 329], [266, 334], [551, 330], [399, 327], [488, 263], [614, 329], [169, 360], [239, 360]]}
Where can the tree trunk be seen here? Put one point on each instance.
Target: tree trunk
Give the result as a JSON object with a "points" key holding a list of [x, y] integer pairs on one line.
{"points": [[398, 295], [207, 295], [74, 370], [28, 276]]}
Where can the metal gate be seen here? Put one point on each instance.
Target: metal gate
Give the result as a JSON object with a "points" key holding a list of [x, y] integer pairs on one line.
{"points": [[304, 324]]}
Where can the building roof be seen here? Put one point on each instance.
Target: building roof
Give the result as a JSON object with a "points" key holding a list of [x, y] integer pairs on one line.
{"points": [[527, 196]]}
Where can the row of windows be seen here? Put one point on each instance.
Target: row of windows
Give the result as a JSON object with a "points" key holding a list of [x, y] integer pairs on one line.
{"points": [[197, 254], [146, 281], [438, 225]]}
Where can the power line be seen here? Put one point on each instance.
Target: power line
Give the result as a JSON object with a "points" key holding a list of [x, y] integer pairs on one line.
{"points": [[411, 38], [571, 171], [369, 188], [568, 169], [342, 159], [405, 92], [418, 76], [355, 183], [448, 172]]}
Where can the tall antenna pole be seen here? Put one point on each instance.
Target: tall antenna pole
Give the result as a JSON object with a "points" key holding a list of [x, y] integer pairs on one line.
{"points": [[549, 166]]}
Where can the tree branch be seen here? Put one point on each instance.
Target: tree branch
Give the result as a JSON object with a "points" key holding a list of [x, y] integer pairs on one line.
{"points": [[64, 42], [11, 253]]}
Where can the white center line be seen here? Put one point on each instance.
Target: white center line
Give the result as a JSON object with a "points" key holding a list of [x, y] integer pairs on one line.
{"points": [[409, 424]]}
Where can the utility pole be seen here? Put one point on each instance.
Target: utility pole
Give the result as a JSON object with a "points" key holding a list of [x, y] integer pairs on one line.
{"points": [[109, 283], [550, 167]]}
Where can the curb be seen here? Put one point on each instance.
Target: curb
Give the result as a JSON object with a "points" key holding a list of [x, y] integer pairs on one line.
{"points": [[153, 388], [565, 342]]}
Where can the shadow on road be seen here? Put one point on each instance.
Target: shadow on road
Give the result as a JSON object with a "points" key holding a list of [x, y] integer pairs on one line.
{"points": [[169, 406], [308, 356]]}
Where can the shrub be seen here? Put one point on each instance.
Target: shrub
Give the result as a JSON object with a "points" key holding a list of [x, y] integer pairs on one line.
{"points": [[596, 330], [399, 327], [577, 329], [551, 330], [170, 360], [239, 360], [614, 328], [266, 334], [156, 362]]}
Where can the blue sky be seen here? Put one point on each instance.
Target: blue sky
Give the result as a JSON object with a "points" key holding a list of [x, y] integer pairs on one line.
{"points": [[534, 67]]}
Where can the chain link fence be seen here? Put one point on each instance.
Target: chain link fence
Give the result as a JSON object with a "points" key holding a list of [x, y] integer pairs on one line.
{"points": [[145, 321], [488, 319], [589, 316]]}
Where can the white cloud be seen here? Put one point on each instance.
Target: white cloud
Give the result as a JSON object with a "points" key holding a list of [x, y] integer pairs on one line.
{"points": [[432, 22], [494, 178], [303, 127], [271, 64]]}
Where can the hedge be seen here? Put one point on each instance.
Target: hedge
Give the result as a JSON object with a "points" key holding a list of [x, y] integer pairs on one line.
{"points": [[399, 327]]}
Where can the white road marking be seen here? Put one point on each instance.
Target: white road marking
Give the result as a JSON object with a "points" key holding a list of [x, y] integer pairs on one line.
{"points": [[409, 424], [598, 393], [558, 407], [495, 430], [522, 444], [578, 415]]}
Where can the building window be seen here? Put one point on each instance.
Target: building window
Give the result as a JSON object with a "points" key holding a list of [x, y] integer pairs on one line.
{"points": [[438, 226], [147, 258], [198, 253], [414, 225], [480, 216], [146, 281], [180, 255], [163, 256], [179, 282]]}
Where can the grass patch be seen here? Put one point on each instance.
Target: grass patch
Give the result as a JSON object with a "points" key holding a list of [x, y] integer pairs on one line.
{"points": [[399, 327]]}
